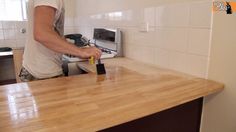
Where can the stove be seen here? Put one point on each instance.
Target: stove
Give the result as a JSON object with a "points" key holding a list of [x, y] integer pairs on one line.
{"points": [[108, 40]]}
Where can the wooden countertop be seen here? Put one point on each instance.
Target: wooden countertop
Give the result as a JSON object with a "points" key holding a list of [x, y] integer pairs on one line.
{"points": [[130, 90]]}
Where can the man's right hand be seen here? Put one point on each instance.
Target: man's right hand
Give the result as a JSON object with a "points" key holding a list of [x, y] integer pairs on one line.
{"points": [[91, 52]]}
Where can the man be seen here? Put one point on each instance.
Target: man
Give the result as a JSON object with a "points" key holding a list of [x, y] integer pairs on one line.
{"points": [[45, 43]]}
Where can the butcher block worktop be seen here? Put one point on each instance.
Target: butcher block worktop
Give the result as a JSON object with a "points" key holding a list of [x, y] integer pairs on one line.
{"points": [[130, 90]]}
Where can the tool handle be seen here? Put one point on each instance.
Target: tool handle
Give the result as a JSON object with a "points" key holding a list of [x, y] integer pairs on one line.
{"points": [[91, 60], [99, 61]]}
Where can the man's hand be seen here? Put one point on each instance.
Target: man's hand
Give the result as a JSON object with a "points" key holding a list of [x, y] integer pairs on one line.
{"points": [[91, 52]]}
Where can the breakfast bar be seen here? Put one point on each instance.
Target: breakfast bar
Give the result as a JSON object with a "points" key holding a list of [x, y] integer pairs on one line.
{"points": [[129, 92]]}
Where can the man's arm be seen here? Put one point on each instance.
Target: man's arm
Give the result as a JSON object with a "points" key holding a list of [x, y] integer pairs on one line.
{"points": [[44, 33]]}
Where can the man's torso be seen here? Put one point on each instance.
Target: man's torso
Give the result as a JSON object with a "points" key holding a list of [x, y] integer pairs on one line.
{"points": [[40, 61]]}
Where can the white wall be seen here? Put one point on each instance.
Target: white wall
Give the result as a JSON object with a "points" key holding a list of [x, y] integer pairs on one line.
{"points": [[220, 109], [10, 31], [179, 30], [69, 16], [10, 34]]}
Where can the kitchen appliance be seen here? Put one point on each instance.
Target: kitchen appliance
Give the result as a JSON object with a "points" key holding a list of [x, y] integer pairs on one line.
{"points": [[5, 49], [77, 39], [108, 40], [70, 68]]}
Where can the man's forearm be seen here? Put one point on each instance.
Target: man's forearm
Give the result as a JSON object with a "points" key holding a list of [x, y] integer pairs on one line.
{"points": [[53, 41]]}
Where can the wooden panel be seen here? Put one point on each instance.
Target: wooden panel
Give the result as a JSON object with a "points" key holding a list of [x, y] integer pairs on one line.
{"points": [[89, 102], [18, 57]]}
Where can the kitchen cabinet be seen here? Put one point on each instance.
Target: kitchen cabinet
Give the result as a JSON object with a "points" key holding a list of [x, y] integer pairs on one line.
{"points": [[7, 72], [182, 118], [11, 64]]}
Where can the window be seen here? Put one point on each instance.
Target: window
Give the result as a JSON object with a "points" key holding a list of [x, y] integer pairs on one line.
{"points": [[13, 10]]}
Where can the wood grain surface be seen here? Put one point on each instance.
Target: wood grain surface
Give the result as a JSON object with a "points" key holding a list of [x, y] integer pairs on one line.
{"points": [[130, 90], [18, 57]]}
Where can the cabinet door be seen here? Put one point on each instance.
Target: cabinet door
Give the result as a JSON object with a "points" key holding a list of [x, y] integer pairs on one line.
{"points": [[7, 72]]}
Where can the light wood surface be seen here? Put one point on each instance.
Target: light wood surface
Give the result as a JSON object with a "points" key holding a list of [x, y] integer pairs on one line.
{"points": [[18, 57], [130, 90]]}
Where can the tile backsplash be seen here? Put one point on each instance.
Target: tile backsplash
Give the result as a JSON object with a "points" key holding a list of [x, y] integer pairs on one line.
{"points": [[179, 32], [11, 32], [178, 36], [11, 35]]}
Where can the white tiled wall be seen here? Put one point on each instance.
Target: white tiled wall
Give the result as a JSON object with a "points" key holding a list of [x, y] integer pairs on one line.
{"points": [[179, 31], [176, 15], [10, 33], [69, 25], [178, 36]]}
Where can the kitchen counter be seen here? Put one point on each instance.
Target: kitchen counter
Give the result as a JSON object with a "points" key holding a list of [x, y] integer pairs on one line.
{"points": [[130, 90]]}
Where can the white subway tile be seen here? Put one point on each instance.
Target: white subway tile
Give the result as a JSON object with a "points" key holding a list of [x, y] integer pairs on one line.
{"points": [[201, 13], [82, 21], [21, 24], [176, 15], [197, 65], [127, 35], [162, 58], [143, 38], [178, 61], [1, 34], [77, 21], [149, 16], [85, 31], [1, 25], [199, 41], [140, 53], [128, 18], [143, 54], [69, 22], [20, 43], [128, 50], [19, 34], [173, 39], [9, 34], [10, 43], [9, 24], [69, 30], [146, 54], [2, 43], [132, 52]]}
